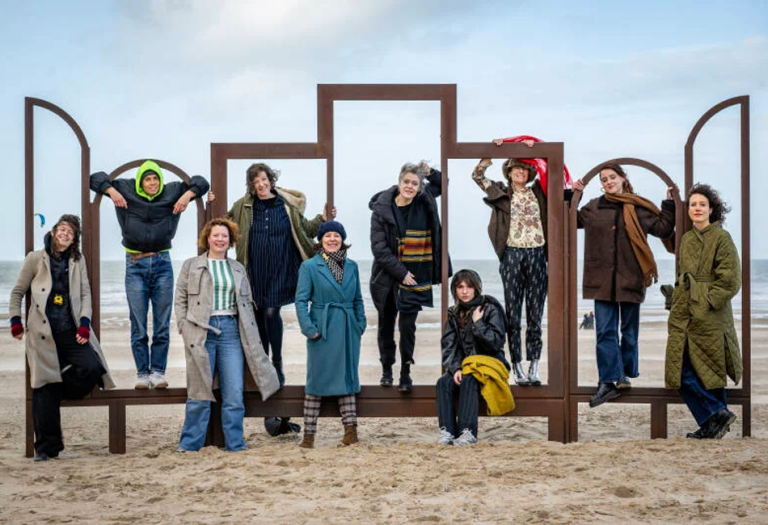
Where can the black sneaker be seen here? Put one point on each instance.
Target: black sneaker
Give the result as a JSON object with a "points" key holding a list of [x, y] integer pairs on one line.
{"points": [[623, 383], [720, 423], [386, 377], [41, 456], [605, 392], [406, 385]]}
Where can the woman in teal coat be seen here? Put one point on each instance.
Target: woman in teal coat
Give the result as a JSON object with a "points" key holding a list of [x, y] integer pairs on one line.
{"points": [[329, 306]]}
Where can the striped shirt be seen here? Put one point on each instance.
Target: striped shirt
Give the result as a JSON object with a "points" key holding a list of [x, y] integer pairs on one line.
{"points": [[223, 287]]}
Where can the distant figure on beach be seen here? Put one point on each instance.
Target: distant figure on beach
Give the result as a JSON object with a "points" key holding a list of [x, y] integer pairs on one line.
{"points": [[215, 317], [588, 323], [65, 359], [331, 314], [474, 361], [618, 267], [276, 239], [518, 232], [148, 211], [702, 346], [406, 246]]}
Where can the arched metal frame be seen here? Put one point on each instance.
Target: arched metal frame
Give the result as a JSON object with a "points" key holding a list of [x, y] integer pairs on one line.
{"points": [[558, 400]]}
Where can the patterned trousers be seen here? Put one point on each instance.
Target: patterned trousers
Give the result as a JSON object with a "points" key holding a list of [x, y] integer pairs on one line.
{"points": [[347, 407], [524, 275]]}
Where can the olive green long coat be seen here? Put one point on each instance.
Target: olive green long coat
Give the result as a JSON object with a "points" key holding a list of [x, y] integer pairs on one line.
{"points": [[708, 277]]}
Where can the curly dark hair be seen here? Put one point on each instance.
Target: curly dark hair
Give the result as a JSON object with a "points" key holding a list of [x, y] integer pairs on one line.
{"points": [[255, 169], [72, 221], [719, 208], [230, 225], [619, 171]]}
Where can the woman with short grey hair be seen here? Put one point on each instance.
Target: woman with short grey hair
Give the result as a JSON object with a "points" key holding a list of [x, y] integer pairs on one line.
{"points": [[405, 240]]}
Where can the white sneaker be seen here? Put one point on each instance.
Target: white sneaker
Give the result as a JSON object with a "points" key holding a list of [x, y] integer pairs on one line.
{"points": [[142, 383], [466, 438], [446, 438], [157, 380]]}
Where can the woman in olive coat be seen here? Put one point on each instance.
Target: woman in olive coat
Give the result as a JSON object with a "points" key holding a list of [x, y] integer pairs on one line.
{"points": [[702, 347], [329, 307]]}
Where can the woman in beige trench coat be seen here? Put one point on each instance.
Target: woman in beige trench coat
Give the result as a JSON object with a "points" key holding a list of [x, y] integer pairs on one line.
{"points": [[65, 359], [214, 312]]}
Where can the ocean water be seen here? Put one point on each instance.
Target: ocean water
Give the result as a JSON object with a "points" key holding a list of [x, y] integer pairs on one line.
{"points": [[114, 306]]}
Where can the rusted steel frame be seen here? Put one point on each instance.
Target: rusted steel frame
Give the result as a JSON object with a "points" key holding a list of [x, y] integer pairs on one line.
{"points": [[746, 249], [557, 306], [571, 256], [29, 213]]}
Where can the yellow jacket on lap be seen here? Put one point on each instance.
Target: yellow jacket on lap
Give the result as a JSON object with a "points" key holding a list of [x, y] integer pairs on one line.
{"points": [[493, 377]]}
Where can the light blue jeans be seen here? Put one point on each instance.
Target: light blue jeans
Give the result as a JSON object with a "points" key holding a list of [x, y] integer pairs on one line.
{"points": [[149, 279], [226, 354]]}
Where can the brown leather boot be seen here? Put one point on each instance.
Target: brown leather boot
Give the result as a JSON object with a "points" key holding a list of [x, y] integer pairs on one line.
{"points": [[308, 441], [350, 435]]}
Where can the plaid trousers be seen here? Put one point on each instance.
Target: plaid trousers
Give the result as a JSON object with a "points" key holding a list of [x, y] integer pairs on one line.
{"points": [[347, 408]]}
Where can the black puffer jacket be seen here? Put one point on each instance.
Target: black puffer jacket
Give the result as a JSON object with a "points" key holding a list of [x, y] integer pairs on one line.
{"points": [[387, 269], [484, 337], [58, 309], [148, 224]]}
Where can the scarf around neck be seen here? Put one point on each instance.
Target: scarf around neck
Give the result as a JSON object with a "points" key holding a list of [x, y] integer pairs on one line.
{"points": [[335, 261], [637, 237]]}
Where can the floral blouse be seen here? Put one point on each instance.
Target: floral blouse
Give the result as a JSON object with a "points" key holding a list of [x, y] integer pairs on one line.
{"points": [[525, 230]]}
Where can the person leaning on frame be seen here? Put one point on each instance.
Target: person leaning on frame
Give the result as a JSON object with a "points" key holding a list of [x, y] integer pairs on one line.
{"points": [[65, 359]]}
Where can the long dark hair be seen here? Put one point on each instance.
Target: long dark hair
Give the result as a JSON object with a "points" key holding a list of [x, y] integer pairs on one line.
{"points": [[719, 208], [74, 222]]}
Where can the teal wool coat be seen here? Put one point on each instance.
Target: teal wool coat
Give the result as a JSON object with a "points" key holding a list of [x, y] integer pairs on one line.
{"points": [[336, 312]]}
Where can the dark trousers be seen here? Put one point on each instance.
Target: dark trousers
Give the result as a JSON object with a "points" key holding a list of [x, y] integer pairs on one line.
{"points": [[701, 402], [82, 370], [524, 276], [469, 397], [616, 360], [386, 333], [271, 331]]}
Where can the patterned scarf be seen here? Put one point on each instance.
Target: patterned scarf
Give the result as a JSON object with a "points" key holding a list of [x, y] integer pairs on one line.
{"points": [[335, 262], [414, 250], [637, 236]]}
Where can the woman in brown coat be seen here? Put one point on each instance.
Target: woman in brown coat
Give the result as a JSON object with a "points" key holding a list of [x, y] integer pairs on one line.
{"points": [[618, 267], [65, 360]]}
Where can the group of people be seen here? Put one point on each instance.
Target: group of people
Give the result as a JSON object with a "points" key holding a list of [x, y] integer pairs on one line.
{"points": [[228, 310]]}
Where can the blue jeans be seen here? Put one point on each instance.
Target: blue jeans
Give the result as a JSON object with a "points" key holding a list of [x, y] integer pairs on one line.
{"points": [[226, 354], [616, 360], [150, 279], [701, 402]]}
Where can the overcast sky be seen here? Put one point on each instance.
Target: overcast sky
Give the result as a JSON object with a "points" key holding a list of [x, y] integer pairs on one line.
{"points": [[154, 79]]}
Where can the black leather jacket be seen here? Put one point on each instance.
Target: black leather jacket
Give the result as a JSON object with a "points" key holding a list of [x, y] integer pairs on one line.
{"points": [[484, 337]]}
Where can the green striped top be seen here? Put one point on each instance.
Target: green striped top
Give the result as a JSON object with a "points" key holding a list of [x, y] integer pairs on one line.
{"points": [[223, 287]]}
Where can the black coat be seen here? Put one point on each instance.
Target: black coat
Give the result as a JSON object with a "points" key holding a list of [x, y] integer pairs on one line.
{"points": [[484, 337], [387, 270], [148, 225]]}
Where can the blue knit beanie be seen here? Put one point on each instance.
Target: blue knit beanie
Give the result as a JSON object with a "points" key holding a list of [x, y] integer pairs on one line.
{"points": [[332, 226]]}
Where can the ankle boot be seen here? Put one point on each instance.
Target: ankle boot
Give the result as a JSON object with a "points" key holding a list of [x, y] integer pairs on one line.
{"points": [[278, 364], [533, 373], [350, 435], [406, 385], [386, 376], [520, 378], [308, 441]]}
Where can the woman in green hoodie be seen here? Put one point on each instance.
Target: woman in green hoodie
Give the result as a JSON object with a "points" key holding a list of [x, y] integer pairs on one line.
{"points": [[702, 347]]}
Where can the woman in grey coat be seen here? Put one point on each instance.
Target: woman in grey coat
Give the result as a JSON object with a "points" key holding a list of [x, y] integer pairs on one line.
{"points": [[64, 357], [214, 312]]}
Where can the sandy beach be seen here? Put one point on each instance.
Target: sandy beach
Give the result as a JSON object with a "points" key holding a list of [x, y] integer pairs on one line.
{"points": [[397, 473]]}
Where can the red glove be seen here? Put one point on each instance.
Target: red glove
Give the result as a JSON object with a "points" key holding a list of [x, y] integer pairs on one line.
{"points": [[84, 332], [17, 329]]}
